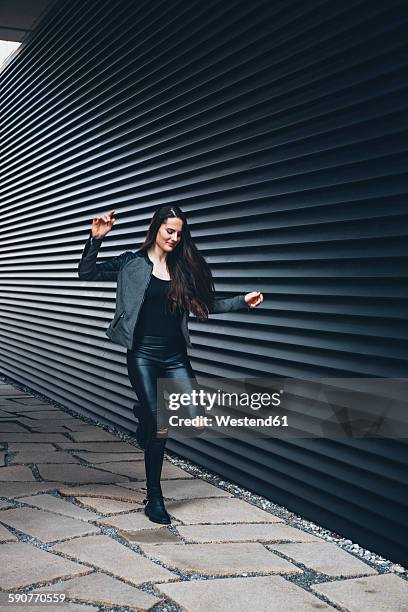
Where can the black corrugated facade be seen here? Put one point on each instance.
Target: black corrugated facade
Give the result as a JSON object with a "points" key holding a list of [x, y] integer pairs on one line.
{"points": [[280, 129]]}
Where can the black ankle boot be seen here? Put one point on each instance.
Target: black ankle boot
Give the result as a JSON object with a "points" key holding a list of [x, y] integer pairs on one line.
{"points": [[155, 509], [154, 504]]}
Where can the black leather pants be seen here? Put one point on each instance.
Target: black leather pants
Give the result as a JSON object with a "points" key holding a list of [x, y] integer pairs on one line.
{"points": [[155, 357]]}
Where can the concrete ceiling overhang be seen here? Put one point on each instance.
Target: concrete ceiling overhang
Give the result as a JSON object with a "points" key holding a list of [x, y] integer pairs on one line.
{"points": [[19, 17]]}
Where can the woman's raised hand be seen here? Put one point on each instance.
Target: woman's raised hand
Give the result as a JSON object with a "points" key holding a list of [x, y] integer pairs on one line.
{"points": [[253, 299], [102, 224]]}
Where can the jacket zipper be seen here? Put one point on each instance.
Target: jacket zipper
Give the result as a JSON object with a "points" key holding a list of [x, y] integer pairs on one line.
{"points": [[119, 318], [141, 303]]}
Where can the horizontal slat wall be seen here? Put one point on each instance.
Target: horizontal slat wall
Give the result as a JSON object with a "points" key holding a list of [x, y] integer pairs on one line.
{"points": [[280, 129]]}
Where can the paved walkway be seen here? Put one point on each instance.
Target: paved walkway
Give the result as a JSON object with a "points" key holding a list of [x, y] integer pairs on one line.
{"points": [[72, 524]]}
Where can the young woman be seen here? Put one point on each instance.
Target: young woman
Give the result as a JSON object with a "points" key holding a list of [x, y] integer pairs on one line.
{"points": [[158, 286]]}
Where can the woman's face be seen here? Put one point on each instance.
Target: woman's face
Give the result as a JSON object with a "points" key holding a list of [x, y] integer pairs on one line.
{"points": [[169, 234]]}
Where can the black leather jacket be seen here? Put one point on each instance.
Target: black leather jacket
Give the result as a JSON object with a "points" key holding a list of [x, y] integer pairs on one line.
{"points": [[132, 271]]}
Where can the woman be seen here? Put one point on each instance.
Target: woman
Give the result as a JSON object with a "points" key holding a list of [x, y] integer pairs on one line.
{"points": [[158, 286]]}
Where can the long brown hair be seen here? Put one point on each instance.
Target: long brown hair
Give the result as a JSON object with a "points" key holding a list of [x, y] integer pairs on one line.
{"points": [[192, 288]]}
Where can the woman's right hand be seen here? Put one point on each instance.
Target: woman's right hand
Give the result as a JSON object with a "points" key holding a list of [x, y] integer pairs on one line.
{"points": [[102, 224]]}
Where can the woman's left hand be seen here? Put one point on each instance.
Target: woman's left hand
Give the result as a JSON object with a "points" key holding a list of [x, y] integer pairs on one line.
{"points": [[253, 299]]}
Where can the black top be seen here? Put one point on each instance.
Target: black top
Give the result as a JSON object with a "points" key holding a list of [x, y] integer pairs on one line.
{"points": [[155, 318]]}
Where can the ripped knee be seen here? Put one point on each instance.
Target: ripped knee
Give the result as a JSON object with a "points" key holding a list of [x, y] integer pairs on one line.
{"points": [[162, 433]]}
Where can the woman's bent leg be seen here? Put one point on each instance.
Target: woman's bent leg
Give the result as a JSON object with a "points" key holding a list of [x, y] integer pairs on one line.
{"points": [[154, 358], [143, 376], [144, 368]]}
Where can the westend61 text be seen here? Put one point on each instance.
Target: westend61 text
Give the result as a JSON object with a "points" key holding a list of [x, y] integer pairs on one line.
{"points": [[227, 421], [207, 400]]}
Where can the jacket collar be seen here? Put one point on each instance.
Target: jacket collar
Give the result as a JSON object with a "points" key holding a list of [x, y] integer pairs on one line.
{"points": [[144, 256]]}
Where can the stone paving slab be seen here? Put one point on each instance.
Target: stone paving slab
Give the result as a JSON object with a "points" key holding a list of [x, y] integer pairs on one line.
{"points": [[58, 505], [109, 457], [41, 404], [77, 474], [19, 408], [27, 446], [3, 395], [56, 418], [72, 418], [325, 557], [12, 427], [49, 428], [48, 407], [260, 594], [190, 489], [16, 473], [94, 435], [80, 427], [103, 590], [36, 404], [117, 559], [132, 521], [381, 593], [99, 447], [18, 399], [154, 536], [24, 564], [245, 532], [38, 424], [108, 506], [77, 425], [17, 489], [108, 491], [186, 488], [223, 510], [6, 535], [9, 396], [5, 504], [56, 421], [47, 414], [33, 437], [169, 472], [35, 456], [22, 396], [45, 526], [136, 470], [220, 559]]}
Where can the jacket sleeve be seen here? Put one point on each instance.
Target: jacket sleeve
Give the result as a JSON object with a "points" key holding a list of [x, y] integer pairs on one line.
{"points": [[88, 269], [229, 304]]}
